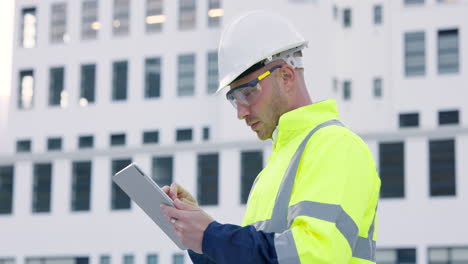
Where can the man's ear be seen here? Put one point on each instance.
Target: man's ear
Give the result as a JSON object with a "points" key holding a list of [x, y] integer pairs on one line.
{"points": [[287, 77]]}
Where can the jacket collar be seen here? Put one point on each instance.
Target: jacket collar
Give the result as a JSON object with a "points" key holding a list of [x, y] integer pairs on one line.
{"points": [[303, 118]]}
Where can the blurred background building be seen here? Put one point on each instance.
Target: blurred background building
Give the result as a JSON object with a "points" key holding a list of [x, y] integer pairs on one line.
{"points": [[96, 84]]}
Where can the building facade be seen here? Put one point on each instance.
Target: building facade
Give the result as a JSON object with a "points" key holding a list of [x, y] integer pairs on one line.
{"points": [[98, 84]]}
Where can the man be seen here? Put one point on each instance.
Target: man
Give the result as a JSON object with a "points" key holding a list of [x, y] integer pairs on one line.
{"points": [[316, 200]]}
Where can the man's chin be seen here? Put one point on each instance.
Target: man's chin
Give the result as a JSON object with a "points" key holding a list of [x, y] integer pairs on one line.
{"points": [[263, 136]]}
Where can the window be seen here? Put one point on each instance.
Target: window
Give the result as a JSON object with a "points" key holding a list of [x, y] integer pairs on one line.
{"points": [[212, 72], [347, 17], [54, 260], [335, 12], [57, 86], [448, 51], [335, 85], [178, 259], [413, 2], [81, 186], [378, 14], [6, 189], [85, 142], [104, 259], [150, 137], [442, 167], [186, 75], [154, 15], [42, 187], [7, 261], [206, 133], [214, 13], [119, 199], [89, 19], [152, 78], [58, 23], [119, 81], [207, 191], [184, 135], [392, 169], [88, 84], [347, 90], [26, 89], [415, 54], [251, 165], [378, 87], [451, 255], [448, 117], [128, 259], [187, 14], [396, 256], [409, 120], [54, 144], [28, 28], [23, 145], [121, 23], [152, 259], [162, 172], [117, 139]]}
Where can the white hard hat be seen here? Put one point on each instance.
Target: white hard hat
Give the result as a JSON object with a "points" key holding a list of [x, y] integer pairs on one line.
{"points": [[251, 38]]}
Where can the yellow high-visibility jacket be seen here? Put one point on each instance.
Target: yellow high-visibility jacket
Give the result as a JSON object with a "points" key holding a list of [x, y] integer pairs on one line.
{"points": [[326, 211]]}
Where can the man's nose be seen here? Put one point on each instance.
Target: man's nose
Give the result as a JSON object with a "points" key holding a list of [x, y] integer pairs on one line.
{"points": [[242, 111]]}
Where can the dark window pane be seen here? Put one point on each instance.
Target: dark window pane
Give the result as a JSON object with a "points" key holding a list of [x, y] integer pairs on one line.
{"points": [[119, 80], [56, 85], [117, 140], [82, 260], [121, 15], [187, 14], [207, 179], [409, 120], [347, 17], [120, 199], [448, 117], [212, 72], [89, 19], [81, 186], [186, 75], [415, 53], [154, 16], [184, 135], [206, 133], [377, 14], [407, 255], [23, 145], [42, 187], [6, 189], [251, 165], [448, 54], [85, 142], [346, 90], [152, 77], [150, 137], [392, 170], [411, 2], [214, 13], [162, 170], [54, 143], [178, 259], [88, 83], [152, 259], [377, 87], [442, 167]]}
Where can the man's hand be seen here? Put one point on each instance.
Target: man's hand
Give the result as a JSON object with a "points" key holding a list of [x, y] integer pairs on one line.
{"points": [[189, 222], [175, 191]]}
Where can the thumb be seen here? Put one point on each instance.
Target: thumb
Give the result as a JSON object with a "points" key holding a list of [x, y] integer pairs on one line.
{"points": [[184, 205]]}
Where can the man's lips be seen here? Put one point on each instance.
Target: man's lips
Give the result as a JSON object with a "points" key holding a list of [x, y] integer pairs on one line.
{"points": [[254, 125]]}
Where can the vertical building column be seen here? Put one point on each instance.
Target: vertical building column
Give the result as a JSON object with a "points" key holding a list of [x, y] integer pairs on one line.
{"points": [[417, 169], [229, 180], [61, 187], [101, 185], [185, 170]]}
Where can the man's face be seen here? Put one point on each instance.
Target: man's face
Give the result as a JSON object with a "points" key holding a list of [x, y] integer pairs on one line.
{"points": [[262, 114]]}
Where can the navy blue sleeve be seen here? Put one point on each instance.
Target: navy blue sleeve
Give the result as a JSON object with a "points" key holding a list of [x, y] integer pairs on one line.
{"points": [[199, 258], [226, 244]]}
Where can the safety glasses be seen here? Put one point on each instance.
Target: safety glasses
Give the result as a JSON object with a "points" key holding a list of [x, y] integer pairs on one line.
{"points": [[246, 94]]}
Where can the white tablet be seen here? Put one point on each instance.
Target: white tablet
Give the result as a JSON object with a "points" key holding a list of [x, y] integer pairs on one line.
{"points": [[148, 195]]}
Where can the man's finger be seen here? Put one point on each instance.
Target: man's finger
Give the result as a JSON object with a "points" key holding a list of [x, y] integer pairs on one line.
{"points": [[171, 212], [173, 192], [184, 205], [166, 189]]}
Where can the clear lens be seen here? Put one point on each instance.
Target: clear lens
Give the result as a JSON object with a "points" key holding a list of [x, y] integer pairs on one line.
{"points": [[245, 95]]}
